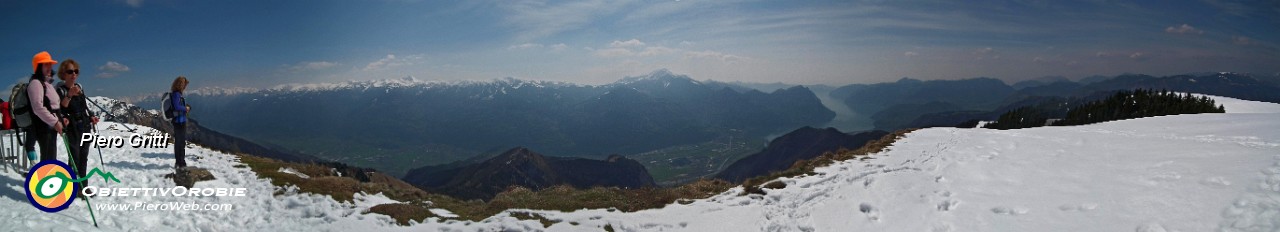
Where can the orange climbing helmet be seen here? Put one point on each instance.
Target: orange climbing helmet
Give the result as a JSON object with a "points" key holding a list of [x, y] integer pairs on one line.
{"points": [[41, 58]]}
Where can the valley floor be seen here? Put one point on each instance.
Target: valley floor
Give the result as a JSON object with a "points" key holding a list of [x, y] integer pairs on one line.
{"points": [[1207, 172]]}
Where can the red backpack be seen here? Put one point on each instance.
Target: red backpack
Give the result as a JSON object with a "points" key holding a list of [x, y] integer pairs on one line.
{"points": [[8, 118]]}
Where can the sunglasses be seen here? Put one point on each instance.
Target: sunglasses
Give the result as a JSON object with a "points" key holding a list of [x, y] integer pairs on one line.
{"points": [[73, 71]]}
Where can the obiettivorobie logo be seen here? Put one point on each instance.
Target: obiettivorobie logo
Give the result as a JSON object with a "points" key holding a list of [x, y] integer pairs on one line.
{"points": [[51, 185]]}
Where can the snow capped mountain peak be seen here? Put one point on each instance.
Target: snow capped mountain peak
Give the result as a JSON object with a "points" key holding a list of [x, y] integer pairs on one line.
{"points": [[105, 106], [407, 81], [661, 72], [414, 82], [217, 91], [663, 75]]}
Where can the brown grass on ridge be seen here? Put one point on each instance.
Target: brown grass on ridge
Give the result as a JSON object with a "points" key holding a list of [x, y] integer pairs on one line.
{"points": [[558, 198]]}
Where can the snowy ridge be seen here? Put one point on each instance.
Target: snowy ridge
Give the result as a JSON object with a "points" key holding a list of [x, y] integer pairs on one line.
{"points": [[410, 82], [109, 106], [664, 75], [1202, 172], [217, 91], [405, 82]]}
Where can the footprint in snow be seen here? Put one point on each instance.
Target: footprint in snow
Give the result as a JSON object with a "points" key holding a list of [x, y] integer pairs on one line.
{"points": [[1151, 227], [1078, 207], [872, 213], [1160, 177], [1009, 211], [1215, 181], [991, 155], [948, 205]]}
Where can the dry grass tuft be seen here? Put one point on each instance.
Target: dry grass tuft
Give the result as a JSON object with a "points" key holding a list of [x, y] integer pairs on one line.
{"points": [[403, 213]]}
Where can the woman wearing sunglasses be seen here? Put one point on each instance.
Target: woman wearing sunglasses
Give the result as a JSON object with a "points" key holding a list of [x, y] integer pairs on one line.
{"points": [[75, 109]]}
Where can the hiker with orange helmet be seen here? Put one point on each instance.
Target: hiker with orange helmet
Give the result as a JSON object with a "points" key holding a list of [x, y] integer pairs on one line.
{"points": [[43, 101]]}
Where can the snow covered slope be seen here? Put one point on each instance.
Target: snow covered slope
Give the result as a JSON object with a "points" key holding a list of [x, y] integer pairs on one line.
{"points": [[1207, 172], [145, 168]]}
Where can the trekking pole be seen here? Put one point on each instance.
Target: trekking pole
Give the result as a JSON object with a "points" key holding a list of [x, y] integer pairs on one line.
{"points": [[104, 110], [95, 146], [67, 144], [95, 131]]}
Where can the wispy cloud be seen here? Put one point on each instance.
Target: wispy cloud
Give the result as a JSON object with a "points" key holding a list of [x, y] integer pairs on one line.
{"points": [[559, 46], [112, 66], [111, 69], [910, 54], [1241, 40], [309, 66], [524, 46], [536, 19], [708, 54], [1184, 29], [529, 46], [986, 53], [1138, 56], [637, 48], [391, 61], [628, 43], [614, 52], [657, 51], [619, 48]]}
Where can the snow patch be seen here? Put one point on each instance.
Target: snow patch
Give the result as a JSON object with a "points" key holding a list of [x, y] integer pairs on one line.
{"points": [[444, 213], [288, 170]]}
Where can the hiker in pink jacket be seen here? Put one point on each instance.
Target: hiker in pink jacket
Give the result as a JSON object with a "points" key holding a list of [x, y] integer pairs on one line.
{"points": [[44, 104]]}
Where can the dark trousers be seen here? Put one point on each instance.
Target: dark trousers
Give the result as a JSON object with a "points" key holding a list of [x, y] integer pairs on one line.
{"points": [[40, 133], [180, 145], [79, 151]]}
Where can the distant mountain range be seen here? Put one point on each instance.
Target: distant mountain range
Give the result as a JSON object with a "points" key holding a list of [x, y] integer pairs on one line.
{"points": [[525, 168], [118, 111], [911, 103], [398, 125], [892, 105], [395, 125], [803, 143], [972, 93]]}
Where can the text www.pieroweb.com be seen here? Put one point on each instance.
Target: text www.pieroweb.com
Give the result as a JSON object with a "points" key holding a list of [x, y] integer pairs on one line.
{"points": [[165, 206]]}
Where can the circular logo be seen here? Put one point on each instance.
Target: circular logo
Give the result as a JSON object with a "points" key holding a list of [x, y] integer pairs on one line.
{"points": [[49, 186]]}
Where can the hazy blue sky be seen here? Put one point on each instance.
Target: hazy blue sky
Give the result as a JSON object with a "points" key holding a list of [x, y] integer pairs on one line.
{"points": [[138, 46]]}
